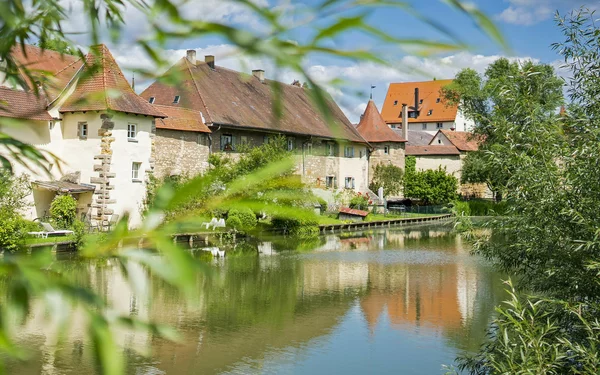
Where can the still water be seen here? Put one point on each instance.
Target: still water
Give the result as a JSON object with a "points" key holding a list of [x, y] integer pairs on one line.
{"points": [[389, 301]]}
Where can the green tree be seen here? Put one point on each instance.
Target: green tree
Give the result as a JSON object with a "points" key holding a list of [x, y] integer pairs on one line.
{"points": [[389, 177], [63, 211], [503, 102], [431, 187]]}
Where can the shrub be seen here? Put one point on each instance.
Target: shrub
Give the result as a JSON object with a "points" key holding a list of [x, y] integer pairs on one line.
{"points": [[431, 187], [301, 227], [79, 232], [63, 211], [245, 216], [359, 202], [389, 177], [323, 204], [234, 222], [13, 232]]}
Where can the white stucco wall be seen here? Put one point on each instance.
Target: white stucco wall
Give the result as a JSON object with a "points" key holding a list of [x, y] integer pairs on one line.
{"points": [[452, 163], [357, 167]]}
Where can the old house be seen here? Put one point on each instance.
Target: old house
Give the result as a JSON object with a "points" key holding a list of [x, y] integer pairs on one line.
{"points": [[387, 147], [431, 113], [238, 110], [91, 119]]}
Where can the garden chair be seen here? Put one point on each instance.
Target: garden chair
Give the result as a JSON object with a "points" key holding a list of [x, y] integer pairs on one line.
{"points": [[50, 231], [211, 223]]}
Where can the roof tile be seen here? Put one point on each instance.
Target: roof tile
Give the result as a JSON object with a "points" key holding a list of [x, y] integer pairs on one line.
{"points": [[464, 141], [23, 105], [429, 92], [431, 150], [181, 119], [374, 129]]}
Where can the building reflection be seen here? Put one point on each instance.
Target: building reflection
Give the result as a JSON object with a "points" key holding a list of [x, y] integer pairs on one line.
{"points": [[250, 306]]}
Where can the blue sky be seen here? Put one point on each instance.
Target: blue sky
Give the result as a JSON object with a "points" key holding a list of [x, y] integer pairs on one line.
{"points": [[527, 25]]}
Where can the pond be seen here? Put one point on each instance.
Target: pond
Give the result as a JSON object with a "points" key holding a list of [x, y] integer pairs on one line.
{"points": [[389, 301]]}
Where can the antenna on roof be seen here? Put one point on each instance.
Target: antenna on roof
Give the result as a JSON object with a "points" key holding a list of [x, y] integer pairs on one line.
{"points": [[133, 82], [372, 87]]}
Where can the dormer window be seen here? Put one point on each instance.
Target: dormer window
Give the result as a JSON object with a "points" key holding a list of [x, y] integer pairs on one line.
{"points": [[176, 100], [395, 102], [437, 100], [151, 100], [421, 101], [429, 112]]}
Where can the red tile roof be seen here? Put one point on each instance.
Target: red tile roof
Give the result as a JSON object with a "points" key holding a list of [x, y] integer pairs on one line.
{"points": [[351, 211], [22, 105], [229, 98], [374, 129], [464, 141], [431, 150], [181, 119], [51, 68], [429, 92], [102, 86]]}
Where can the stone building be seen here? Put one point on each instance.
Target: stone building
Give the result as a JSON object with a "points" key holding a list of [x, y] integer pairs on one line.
{"points": [[182, 142], [238, 109], [432, 113], [387, 147], [90, 118]]}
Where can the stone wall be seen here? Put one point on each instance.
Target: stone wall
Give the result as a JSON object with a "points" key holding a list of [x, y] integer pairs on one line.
{"points": [[395, 156], [178, 152]]}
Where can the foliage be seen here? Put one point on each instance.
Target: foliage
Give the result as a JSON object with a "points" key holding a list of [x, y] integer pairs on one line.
{"points": [[389, 177], [13, 232], [234, 222], [431, 187], [78, 228], [63, 211], [301, 227], [360, 201], [507, 95], [535, 335], [323, 203], [13, 229], [410, 164], [246, 217], [58, 45]]}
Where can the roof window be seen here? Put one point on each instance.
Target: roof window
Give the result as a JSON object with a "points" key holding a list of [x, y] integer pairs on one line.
{"points": [[151, 100], [429, 112], [176, 100], [437, 100], [395, 102], [421, 101]]}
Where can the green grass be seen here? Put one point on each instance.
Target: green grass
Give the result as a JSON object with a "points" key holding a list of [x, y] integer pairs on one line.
{"points": [[331, 219], [49, 240]]}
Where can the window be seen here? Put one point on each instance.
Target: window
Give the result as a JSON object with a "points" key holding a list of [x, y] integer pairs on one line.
{"points": [[266, 139], [330, 182], [226, 142], [151, 100], [244, 139], [424, 127], [393, 126], [440, 125], [439, 141], [437, 100], [395, 102], [131, 132], [349, 183], [330, 149], [135, 171], [421, 101], [429, 112], [386, 150], [153, 127], [349, 151], [176, 100], [82, 130], [201, 139], [413, 114], [51, 125], [360, 154], [290, 144]]}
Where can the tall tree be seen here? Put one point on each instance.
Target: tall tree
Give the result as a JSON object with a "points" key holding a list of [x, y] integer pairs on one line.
{"points": [[58, 45]]}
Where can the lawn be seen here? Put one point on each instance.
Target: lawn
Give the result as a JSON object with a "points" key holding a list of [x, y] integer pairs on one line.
{"points": [[332, 218], [49, 240]]}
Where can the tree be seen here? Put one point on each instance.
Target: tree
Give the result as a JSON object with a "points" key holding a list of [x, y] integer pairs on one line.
{"points": [[503, 102], [389, 177], [431, 187]]}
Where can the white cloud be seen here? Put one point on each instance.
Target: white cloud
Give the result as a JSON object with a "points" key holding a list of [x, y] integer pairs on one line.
{"points": [[530, 12]]}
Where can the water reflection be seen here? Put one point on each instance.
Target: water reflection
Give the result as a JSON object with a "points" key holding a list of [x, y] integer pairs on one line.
{"points": [[393, 300]]}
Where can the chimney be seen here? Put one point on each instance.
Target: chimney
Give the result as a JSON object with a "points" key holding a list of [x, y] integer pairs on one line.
{"points": [[191, 56], [210, 61], [416, 102], [405, 122], [260, 74]]}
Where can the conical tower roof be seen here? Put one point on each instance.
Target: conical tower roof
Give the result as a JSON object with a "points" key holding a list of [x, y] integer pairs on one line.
{"points": [[102, 86], [373, 129]]}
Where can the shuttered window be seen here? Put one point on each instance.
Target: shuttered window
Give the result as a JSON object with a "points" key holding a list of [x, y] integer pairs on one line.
{"points": [[82, 130]]}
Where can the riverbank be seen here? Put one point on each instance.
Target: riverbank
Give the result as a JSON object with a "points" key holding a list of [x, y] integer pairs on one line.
{"points": [[67, 243]]}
